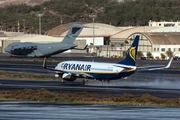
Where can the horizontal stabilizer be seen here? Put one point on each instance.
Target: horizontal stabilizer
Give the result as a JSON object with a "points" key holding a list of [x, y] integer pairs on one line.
{"points": [[82, 48]]}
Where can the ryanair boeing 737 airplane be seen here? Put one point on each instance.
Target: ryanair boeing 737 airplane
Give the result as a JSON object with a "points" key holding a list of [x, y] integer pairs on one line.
{"points": [[70, 70]]}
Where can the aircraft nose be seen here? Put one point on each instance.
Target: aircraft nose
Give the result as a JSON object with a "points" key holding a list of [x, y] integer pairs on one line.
{"points": [[6, 49]]}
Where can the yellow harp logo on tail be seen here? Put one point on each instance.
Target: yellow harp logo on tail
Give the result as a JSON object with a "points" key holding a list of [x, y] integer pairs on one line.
{"points": [[132, 52]]}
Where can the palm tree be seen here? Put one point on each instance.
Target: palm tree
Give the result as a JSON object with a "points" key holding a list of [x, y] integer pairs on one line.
{"points": [[91, 48], [97, 50], [112, 46], [107, 43], [122, 45], [131, 40], [125, 43], [139, 54], [163, 56], [149, 54], [169, 53]]}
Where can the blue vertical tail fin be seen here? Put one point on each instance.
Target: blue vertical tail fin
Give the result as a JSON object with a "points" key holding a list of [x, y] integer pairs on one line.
{"points": [[131, 53], [73, 33]]}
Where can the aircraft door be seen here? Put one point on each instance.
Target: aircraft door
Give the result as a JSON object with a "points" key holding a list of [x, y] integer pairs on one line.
{"points": [[49, 49]]}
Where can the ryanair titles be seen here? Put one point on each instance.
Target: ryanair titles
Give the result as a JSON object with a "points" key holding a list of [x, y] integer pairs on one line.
{"points": [[71, 66]]}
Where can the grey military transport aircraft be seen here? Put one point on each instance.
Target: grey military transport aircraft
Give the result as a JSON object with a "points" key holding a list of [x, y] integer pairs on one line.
{"points": [[31, 49]]}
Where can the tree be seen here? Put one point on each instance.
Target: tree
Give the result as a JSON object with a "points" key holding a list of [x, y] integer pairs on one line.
{"points": [[169, 53], [131, 40], [124, 53], [112, 46], [163, 56], [125, 43], [122, 45], [139, 54], [91, 49], [126, 14], [107, 43], [98, 50], [149, 54]]}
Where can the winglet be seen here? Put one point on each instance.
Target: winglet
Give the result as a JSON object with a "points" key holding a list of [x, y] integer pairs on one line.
{"points": [[169, 64], [160, 68]]}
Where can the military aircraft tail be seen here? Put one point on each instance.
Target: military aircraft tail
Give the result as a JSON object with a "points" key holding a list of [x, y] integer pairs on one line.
{"points": [[73, 33], [131, 53]]}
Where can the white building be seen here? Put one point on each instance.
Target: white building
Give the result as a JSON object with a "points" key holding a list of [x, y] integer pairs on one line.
{"points": [[156, 40], [164, 24]]}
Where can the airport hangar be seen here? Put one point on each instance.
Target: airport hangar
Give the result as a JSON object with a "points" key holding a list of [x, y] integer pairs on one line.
{"points": [[156, 39]]}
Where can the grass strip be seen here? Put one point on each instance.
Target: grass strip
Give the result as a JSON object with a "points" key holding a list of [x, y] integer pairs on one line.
{"points": [[43, 95]]}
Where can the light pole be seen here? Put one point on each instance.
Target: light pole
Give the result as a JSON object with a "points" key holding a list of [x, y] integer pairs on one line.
{"points": [[39, 16], [93, 16], [24, 22]]}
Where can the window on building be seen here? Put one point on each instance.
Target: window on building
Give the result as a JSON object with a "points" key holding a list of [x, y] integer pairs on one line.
{"points": [[179, 49], [117, 44], [157, 49], [169, 49], [113, 43], [154, 49], [163, 49], [174, 49], [159, 24], [169, 25], [106, 40]]}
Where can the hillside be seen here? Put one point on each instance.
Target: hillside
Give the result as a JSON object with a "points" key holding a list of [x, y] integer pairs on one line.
{"points": [[55, 12], [4, 3]]}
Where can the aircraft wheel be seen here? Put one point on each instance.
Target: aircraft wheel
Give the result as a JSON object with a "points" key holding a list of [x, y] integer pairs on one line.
{"points": [[106, 81], [85, 82], [125, 78]]}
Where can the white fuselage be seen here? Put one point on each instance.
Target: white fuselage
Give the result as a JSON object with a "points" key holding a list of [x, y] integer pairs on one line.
{"points": [[93, 67]]}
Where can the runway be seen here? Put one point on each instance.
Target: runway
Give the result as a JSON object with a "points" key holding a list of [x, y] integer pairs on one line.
{"points": [[66, 111], [34, 65], [157, 83], [74, 87]]}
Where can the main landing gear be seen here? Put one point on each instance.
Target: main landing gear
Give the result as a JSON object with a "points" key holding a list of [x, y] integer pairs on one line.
{"points": [[85, 81], [106, 81]]}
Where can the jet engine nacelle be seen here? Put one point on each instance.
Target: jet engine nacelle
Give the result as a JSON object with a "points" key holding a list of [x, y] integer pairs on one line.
{"points": [[68, 77]]}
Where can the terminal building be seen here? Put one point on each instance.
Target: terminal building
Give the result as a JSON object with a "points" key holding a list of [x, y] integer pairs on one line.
{"points": [[164, 24], [108, 40]]}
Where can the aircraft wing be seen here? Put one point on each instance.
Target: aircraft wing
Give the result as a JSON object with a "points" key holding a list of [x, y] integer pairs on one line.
{"points": [[151, 68]]}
